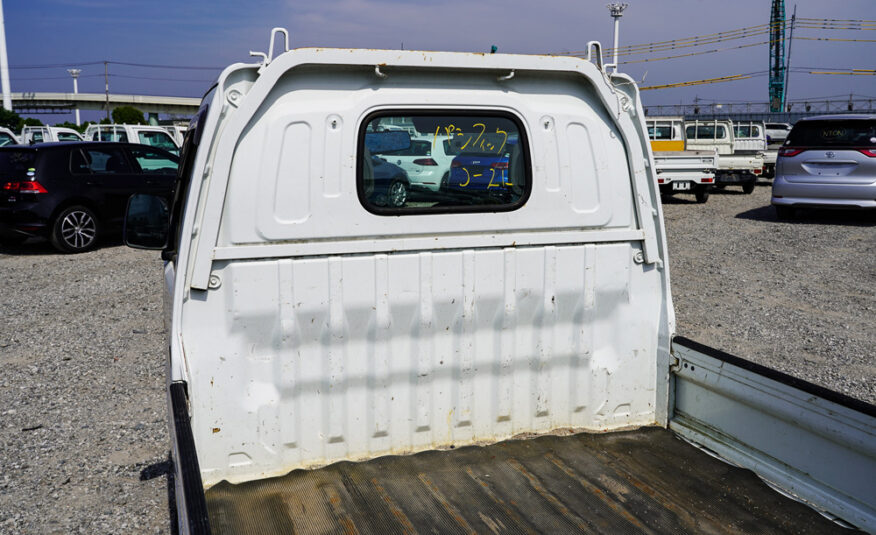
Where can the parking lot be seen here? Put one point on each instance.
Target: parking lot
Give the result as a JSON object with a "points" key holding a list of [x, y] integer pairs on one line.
{"points": [[83, 434]]}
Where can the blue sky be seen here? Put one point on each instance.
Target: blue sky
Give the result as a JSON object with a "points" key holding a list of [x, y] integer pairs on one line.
{"points": [[68, 33]]}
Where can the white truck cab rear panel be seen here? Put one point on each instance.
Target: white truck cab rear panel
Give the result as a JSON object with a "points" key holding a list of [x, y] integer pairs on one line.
{"points": [[294, 170], [330, 332]]}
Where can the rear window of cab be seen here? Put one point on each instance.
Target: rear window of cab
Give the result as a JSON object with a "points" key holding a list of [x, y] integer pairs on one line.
{"points": [[705, 131], [442, 162]]}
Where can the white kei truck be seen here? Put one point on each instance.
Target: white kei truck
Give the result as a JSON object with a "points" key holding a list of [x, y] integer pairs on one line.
{"points": [[750, 137], [47, 134], [498, 357], [679, 170], [738, 163], [154, 136]]}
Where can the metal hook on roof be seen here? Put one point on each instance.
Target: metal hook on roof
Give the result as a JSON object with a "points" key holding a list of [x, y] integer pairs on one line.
{"points": [[506, 77], [378, 73], [598, 56], [274, 33]]}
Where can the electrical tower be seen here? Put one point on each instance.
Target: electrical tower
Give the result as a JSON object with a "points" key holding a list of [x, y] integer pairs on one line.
{"points": [[777, 55]]}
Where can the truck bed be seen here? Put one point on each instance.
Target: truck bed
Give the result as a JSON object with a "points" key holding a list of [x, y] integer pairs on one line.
{"points": [[642, 481]]}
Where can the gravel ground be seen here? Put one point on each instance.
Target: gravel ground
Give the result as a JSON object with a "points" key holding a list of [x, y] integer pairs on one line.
{"points": [[797, 296], [83, 438]]}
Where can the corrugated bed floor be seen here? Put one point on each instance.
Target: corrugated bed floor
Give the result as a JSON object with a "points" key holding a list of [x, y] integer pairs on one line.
{"points": [[643, 481]]}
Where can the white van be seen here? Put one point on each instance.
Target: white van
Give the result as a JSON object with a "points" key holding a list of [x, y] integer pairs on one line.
{"points": [[154, 136]]}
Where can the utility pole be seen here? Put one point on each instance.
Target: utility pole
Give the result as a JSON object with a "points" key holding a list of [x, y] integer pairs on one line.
{"points": [[788, 57], [4, 63], [617, 11], [75, 74], [106, 82]]}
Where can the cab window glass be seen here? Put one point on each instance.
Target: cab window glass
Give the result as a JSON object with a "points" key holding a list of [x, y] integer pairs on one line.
{"points": [[158, 139], [153, 161], [658, 131], [705, 131], [442, 162], [66, 136], [113, 135], [99, 161], [742, 131]]}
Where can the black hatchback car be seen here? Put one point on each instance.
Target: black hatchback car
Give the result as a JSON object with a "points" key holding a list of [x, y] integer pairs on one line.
{"points": [[73, 193]]}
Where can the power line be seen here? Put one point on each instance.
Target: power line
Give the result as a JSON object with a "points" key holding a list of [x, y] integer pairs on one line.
{"points": [[758, 74], [855, 72], [740, 33], [86, 63], [160, 79], [152, 66], [835, 39], [693, 53], [56, 77], [731, 78], [729, 33]]}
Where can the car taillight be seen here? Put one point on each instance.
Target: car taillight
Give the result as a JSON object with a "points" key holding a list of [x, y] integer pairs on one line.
{"points": [[708, 180], [787, 152], [868, 152], [454, 163], [758, 172], [499, 165], [425, 161], [28, 186]]}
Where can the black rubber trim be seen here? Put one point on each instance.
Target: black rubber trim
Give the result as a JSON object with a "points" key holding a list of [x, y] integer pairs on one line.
{"points": [[457, 209], [830, 395], [193, 487]]}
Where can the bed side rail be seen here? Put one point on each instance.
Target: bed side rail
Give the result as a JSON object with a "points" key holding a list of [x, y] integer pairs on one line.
{"points": [[817, 445]]}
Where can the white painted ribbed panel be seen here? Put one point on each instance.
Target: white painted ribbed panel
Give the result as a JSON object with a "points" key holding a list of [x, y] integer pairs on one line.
{"points": [[577, 161], [311, 361]]}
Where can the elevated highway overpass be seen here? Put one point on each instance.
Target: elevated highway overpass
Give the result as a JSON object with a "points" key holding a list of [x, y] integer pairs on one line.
{"points": [[66, 102]]}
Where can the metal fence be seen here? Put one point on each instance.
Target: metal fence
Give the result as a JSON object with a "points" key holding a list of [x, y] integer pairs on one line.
{"points": [[760, 111]]}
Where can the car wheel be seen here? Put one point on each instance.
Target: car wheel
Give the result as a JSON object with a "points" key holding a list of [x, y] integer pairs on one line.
{"points": [[398, 194], [784, 213], [748, 187], [702, 194], [75, 230]]}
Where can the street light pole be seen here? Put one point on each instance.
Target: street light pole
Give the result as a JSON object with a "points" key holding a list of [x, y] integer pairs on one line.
{"points": [[75, 74], [617, 11], [106, 83], [4, 63]]}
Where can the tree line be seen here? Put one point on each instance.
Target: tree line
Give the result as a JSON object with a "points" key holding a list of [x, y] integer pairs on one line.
{"points": [[120, 115]]}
